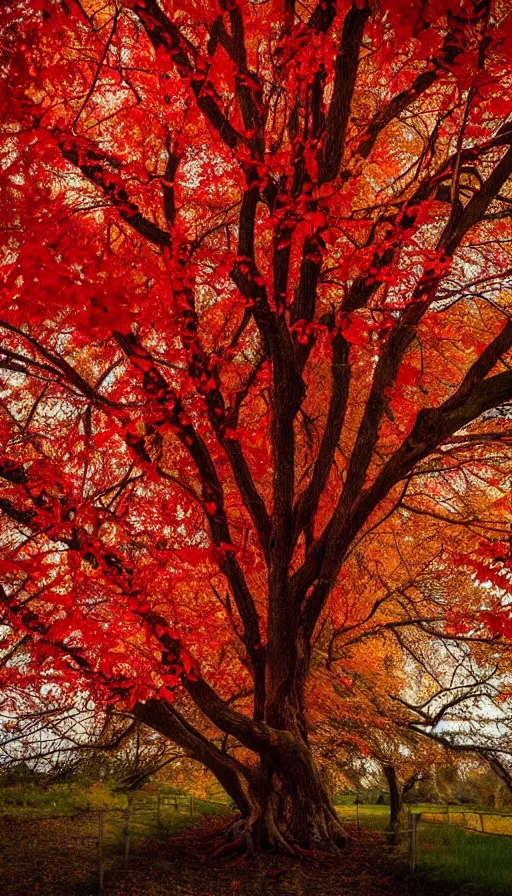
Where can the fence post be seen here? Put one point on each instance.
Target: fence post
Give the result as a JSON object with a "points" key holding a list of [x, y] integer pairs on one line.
{"points": [[413, 838], [100, 852], [191, 804], [158, 817], [127, 820]]}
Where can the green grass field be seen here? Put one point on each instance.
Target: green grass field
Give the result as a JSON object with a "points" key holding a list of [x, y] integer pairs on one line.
{"points": [[446, 851], [26, 802]]}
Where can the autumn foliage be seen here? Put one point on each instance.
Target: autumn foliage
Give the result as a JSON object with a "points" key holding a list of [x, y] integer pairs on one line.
{"points": [[255, 363]]}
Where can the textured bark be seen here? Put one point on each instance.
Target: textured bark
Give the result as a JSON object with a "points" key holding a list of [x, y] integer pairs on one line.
{"points": [[289, 808], [288, 659], [282, 800], [395, 802]]}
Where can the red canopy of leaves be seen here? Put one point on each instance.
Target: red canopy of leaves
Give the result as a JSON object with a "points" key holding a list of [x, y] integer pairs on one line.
{"points": [[254, 278]]}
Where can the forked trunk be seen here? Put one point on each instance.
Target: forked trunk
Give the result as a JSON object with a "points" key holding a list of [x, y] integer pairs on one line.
{"points": [[291, 808], [283, 801]]}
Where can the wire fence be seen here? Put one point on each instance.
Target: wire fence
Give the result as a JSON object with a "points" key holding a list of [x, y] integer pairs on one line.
{"points": [[111, 832], [498, 825], [406, 840], [143, 815]]}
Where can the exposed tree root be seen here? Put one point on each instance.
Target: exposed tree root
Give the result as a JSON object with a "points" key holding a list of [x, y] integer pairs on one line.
{"points": [[260, 833]]}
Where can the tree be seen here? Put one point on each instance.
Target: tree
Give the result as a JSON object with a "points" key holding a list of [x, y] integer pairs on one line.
{"points": [[255, 304], [76, 740], [357, 719]]}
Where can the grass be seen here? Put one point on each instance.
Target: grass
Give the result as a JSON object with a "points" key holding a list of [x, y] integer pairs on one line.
{"points": [[145, 822], [447, 852], [30, 802], [25, 804], [347, 803], [375, 818]]}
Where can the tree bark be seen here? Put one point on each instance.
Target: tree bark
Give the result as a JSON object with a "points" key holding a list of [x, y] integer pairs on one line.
{"points": [[299, 797], [395, 803], [288, 659], [282, 799]]}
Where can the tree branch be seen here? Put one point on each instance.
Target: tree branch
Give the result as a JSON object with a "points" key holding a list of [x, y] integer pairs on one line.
{"points": [[344, 82]]}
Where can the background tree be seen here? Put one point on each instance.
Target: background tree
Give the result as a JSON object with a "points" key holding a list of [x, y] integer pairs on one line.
{"points": [[78, 741], [255, 302], [411, 659]]}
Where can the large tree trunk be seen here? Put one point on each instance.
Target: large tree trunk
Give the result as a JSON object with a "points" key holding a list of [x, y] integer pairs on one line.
{"points": [[288, 807], [295, 807], [288, 658], [282, 800], [295, 792]]}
